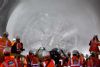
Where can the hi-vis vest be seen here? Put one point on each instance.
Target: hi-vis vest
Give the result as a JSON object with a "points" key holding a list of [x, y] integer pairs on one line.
{"points": [[4, 44], [35, 65], [75, 63], [10, 63], [50, 64]]}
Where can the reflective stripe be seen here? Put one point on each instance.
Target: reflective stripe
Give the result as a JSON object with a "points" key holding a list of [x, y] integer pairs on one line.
{"points": [[61, 61], [2, 46], [78, 64], [99, 47], [16, 63], [53, 62], [68, 66], [5, 64], [35, 65], [44, 64], [99, 57]]}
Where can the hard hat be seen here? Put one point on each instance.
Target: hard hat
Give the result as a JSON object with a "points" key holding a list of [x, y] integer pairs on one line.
{"points": [[14, 39], [57, 50], [45, 54], [75, 52], [95, 37], [33, 51], [7, 50], [42, 48], [5, 34]]}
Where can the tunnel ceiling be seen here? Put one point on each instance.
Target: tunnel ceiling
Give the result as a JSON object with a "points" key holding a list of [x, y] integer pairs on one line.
{"points": [[6, 7], [85, 15]]}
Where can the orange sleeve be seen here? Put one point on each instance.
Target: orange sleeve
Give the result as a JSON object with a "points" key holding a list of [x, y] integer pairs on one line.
{"points": [[0, 41], [9, 43], [90, 63], [2, 65]]}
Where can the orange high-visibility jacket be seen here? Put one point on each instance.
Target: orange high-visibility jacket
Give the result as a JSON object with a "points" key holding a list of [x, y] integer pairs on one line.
{"points": [[74, 62], [9, 61], [94, 46], [4, 43], [51, 63]]}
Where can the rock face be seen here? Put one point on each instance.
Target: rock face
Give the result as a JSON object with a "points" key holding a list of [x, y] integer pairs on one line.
{"points": [[64, 24]]}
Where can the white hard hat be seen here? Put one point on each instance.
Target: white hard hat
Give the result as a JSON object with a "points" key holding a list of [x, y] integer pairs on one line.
{"points": [[75, 52], [7, 50], [33, 51], [14, 39], [45, 53]]}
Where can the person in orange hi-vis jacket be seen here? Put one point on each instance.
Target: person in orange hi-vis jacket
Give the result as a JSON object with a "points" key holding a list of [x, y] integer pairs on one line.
{"points": [[22, 62], [9, 61], [17, 48], [93, 61], [47, 61], [32, 59], [4, 41], [94, 43], [74, 61], [82, 59]]}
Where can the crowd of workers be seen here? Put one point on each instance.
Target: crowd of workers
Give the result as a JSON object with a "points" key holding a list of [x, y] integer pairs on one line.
{"points": [[10, 55]]}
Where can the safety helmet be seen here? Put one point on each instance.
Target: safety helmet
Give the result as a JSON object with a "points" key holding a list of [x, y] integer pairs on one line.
{"points": [[95, 37], [5, 34], [45, 54], [42, 48], [33, 51], [57, 50], [14, 39], [75, 52], [7, 50]]}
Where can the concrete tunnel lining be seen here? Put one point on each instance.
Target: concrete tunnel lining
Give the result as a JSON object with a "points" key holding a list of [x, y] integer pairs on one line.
{"points": [[80, 14]]}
